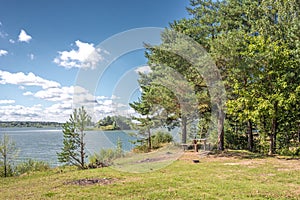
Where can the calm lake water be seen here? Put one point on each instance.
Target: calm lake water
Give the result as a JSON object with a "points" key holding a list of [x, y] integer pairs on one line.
{"points": [[43, 144]]}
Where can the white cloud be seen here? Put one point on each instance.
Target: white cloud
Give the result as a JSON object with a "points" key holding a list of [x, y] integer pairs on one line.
{"points": [[21, 87], [31, 56], [21, 113], [7, 101], [3, 52], [28, 93], [107, 102], [61, 98], [58, 112], [143, 69], [24, 37], [29, 79], [101, 97], [86, 56], [61, 109], [12, 41], [55, 94], [2, 34]]}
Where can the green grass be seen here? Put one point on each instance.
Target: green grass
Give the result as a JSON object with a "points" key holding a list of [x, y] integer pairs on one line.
{"points": [[229, 176]]}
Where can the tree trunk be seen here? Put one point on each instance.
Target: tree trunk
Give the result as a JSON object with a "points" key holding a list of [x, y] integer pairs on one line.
{"points": [[149, 139], [184, 134], [271, 147], [250, 135], [299, 132], [236, 128], [82, 151], [221, 140], [221, 130], [5, 164], [5, 147], [272, 136]]}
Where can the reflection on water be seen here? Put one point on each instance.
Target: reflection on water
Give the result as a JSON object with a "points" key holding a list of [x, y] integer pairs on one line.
{"points": [[43, 144]]}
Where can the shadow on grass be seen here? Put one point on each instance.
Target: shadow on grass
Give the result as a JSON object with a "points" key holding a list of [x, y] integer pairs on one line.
{"points": [[240, 154], [244, 154]]}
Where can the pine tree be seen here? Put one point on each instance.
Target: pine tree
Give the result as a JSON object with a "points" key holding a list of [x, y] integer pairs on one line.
{"points": [[73, 150]]}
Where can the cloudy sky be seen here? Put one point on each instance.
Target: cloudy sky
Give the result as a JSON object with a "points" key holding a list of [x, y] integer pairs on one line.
{"points": [[51, 48]]}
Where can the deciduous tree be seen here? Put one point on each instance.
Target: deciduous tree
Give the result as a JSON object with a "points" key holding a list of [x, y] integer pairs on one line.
{"points": [[8, 152]]}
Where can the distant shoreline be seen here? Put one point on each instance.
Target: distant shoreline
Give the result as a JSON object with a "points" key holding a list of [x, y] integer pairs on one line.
{"points": [[29, 124]]}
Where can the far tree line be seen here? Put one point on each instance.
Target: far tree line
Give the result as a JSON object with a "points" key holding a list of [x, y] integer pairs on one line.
{"points": [[23, 124]]}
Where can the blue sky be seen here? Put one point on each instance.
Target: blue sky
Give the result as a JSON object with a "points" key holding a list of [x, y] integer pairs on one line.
{"points": [[46, 46]]}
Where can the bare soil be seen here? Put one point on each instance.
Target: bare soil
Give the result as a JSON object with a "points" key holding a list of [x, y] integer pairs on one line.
{"points": [[93, 181]]}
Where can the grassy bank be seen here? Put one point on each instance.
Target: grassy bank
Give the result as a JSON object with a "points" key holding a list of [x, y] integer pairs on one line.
{"points": [[229, 176]]}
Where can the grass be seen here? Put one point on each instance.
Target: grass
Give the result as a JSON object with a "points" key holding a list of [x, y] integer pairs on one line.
{"points": [[147, 162], [233, 175]]}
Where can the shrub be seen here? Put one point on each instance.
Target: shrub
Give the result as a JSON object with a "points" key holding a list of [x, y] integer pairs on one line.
{"points": [[157, 140], [143, 148], [161, 138], [291, 151], [9, 171], [106, 156], [31, 166]]}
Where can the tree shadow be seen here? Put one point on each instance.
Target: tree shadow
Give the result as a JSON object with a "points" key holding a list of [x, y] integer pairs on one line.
{"points": [[239, 154]]}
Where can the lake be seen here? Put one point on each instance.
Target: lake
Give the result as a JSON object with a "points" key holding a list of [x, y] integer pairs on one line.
{"points": [[43, 144]]}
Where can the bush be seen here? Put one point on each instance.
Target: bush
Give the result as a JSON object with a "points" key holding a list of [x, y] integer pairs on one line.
{"points": [[143, 148], [106, 156], [31, 166], [161, 138], [157, 141], [9, 171], [291, 151]]}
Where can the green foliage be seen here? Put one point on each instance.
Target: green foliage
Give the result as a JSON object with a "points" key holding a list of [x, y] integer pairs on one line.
{"points": [[160, 138], [142, 148], [255, 46], [29, 124], [292, 151], [8, 151], [235, 138], [108, 128], [9, 170], [157, 140], [73, 150], [114, 123], [106, 121], [106, 156], [31, 166]]}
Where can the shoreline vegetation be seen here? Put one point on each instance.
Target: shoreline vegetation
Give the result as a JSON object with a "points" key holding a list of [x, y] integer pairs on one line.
{"points": [[29, 124]]}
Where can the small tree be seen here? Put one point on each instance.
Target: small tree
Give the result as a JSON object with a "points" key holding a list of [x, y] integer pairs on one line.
{"points": [[73, 151], [8, 151]]}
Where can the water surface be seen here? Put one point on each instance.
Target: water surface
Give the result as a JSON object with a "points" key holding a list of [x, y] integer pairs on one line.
{"points": [[43, 144]]}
